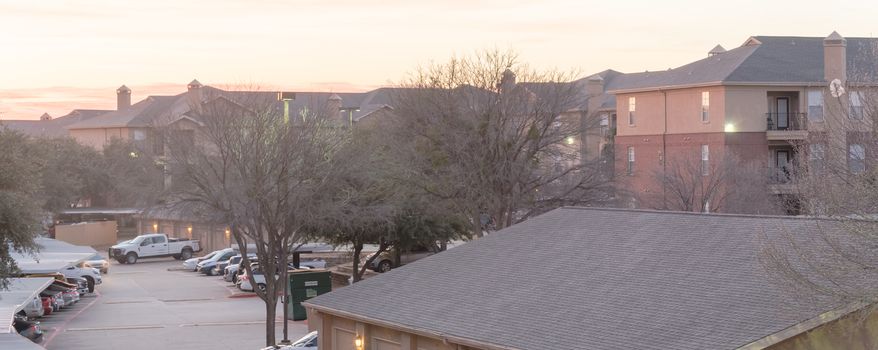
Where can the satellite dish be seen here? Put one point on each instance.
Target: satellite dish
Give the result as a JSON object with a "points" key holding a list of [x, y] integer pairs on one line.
{"points": [[836, 88]]}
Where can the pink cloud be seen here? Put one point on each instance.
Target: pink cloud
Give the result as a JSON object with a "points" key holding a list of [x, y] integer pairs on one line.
{"points": [[58, 101]]}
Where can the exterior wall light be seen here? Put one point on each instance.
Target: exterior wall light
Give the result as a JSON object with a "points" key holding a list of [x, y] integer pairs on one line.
{"points": [[570, 140], [189, 229], [358, 343], [155, 227], [729, 127]]}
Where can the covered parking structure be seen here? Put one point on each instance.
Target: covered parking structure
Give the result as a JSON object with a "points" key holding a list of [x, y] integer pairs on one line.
{"points": [[12, 300]]}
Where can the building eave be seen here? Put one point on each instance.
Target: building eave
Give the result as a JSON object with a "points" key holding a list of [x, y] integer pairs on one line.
{"points": [[800, 328], [407, 329]]}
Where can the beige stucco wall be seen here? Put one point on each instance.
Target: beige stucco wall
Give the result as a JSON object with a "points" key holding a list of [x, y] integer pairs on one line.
{"points": [[87, 233], [850, 333], [338, 333], [683, 111]]}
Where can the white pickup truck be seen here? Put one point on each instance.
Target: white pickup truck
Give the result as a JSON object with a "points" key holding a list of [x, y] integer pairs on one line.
{"points": [[153, 245]]}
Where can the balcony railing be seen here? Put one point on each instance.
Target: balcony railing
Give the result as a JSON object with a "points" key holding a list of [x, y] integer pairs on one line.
{"points": [[787, 121], [779, 176]]}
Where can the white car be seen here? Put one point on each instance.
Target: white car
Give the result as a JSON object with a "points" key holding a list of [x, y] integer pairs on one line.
{"points": [[34, 308], [246, 282], [91, 275], [190, 264], [308, 342], [153, 245]]}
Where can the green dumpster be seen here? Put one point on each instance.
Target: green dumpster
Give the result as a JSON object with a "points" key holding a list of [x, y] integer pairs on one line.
{"points": [[304, 285]]}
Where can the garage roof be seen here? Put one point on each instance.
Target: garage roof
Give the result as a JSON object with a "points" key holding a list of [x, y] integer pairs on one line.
{"points": [[578, 278]]}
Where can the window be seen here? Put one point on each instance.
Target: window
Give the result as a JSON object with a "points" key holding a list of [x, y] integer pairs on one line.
{"points": [[158, 240], [630, 160], [857, 158], [856, 105], [815, 105], [705, 160], [632, 107], [139, 135], [605, 124], [816, 156], [705, 106]]}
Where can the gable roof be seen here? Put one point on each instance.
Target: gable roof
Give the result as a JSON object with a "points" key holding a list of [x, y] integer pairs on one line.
{"points": [[762, 59], [56, 127], [592, 279]]}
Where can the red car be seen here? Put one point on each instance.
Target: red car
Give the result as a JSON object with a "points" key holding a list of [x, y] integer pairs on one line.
{"points": [[48, 305]]}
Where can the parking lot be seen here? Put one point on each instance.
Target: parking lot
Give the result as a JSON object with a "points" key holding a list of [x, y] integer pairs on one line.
{"points": [[154, 305]]}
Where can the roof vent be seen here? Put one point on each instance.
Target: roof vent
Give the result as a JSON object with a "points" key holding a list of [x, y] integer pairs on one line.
{"points": [[716, 51]]}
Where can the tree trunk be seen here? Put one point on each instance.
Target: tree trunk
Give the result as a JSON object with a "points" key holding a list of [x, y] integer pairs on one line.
{"points": [[477, 225], [270, 314], [358, 249]]}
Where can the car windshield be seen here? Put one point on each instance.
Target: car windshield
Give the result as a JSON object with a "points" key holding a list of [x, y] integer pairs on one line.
{"points": [[308, 340], [95, 257]]}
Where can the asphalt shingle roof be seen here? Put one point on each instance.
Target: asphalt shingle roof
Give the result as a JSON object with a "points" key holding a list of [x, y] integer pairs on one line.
{"points": [[775, 59], [56, 127], [577, 278]]}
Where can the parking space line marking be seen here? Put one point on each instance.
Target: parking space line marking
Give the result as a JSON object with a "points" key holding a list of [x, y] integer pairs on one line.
{"points": [[114, 328], [181, 300], [127, 301], [221, 323], [60, 328]]}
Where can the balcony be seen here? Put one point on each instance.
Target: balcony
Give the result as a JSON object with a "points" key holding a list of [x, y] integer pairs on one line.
{"points": [[781, 180], [786, 126]]}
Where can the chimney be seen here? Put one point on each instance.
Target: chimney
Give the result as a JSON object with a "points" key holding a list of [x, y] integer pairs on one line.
{"points": [[835, 57], [594, 87], [195, 95], [123, 98], [716, 51], [333, 107], [507, 80]]}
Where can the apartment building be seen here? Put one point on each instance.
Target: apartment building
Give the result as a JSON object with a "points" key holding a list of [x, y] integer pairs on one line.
{"points": [[761, 103]]}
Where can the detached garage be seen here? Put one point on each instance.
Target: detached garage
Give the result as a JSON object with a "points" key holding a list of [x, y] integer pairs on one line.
{"points": [[578, 278]]}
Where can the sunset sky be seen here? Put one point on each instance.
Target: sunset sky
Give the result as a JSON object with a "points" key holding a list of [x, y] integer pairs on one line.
{"points": [[59, 55]]}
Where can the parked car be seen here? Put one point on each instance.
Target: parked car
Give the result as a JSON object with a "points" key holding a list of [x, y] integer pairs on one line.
{"points": [[80, 284], [98, 262], [385, 261], [56, 297], [91, 275], [308, 342], [206, 266], [34, 308], [28, 329], [246, 282], [229, 268], [48, 305], [191, 264], [66, 291], [153, 245]]}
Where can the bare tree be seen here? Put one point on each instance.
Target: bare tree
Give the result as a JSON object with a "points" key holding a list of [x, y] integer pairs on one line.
{"points": [[499, 151], [727, 185], [264, 173], [838, 182]]}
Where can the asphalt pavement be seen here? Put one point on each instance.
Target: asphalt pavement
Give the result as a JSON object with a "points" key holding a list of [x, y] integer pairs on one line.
{"points": [[154, 305]]}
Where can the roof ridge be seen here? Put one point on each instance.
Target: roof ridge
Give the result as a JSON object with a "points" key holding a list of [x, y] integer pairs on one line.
{"points": [[750, 216]]}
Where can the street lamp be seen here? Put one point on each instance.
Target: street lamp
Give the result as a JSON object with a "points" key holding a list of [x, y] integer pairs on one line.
{"points": [[286, 97]]}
